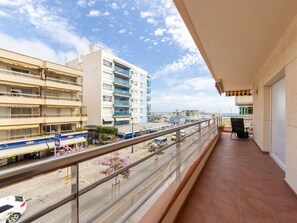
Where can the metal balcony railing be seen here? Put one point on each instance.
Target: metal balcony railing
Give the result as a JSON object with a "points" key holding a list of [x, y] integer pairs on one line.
{"points": [[5, 116], [63, 81], [16, 94], [122, 71], [122, 113], [149, 98], [120, 92], [61, 98], [97, 198], [126, 103], [16, 73], [122, 82]]}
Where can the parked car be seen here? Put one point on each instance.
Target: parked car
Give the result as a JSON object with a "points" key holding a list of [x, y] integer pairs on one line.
{"points": [[182, 134], [12, 208], [157, 143]]}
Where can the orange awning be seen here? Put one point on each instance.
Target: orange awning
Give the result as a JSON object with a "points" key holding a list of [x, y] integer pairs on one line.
{"points": [[238, 93]]}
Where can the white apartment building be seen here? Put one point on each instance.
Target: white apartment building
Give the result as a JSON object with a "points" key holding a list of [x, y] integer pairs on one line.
{"points": [[115, 91], [38, 99]]}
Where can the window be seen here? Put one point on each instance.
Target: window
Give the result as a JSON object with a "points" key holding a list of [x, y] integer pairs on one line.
{"points": [[20, 70], [5, 208], [107, 122], [107, 98], [107, 63], [107, 87]]}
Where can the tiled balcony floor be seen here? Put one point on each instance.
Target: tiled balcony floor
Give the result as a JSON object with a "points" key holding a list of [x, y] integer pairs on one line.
{"points": [[240, 184]]}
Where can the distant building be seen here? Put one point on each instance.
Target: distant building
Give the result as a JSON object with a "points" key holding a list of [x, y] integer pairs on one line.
{"points": [[115, 91], [38, 99], [178, 120], [245, 104]]}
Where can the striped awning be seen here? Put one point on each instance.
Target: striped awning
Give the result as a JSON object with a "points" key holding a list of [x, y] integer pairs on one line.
{"points": [[13, 127], [238, 93], [11, 152], [19, 63]]}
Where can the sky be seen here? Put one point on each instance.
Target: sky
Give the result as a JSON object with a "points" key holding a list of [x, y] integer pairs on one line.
{"points": [[147, 33]]}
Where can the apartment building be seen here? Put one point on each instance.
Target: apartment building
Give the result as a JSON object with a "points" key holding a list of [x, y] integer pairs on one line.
{"points": [[38, 99], [115, 92], [245, 104]]}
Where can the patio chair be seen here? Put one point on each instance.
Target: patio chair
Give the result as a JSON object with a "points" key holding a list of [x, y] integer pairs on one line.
{"points": [[238, 130]]}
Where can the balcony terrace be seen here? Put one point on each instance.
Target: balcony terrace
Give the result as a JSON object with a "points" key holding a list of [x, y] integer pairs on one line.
{"points": [[63, 84], [122, 114], [122, 72], [121, 103], [121, 93], [239, 183], [21, 78], [122, 83]]}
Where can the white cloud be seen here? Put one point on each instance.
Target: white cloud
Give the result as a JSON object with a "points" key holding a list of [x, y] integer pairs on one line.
{"points": [[45, 20], [151, 20], [3, 14], [146, 14], [34, 48], [184, 63], [126, 13], [114, 5], [142, 37], [84, 3], [147, 40], [165, 39], [164, 12], [155, 43], [159, 32], [122, 31], [163, 101], [192, 84], [94, 13]]}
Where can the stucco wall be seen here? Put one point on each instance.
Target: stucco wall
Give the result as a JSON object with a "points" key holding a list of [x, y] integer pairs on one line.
{"points": [[281, 63]]}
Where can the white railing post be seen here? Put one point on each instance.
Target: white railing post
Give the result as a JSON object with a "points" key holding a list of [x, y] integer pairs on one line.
{"points": [[178, 156], [74, 191]]}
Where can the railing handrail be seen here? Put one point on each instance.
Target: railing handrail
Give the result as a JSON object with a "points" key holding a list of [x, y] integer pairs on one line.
{"points": [[16, 94], [63, 81], [18, 174], [40, 116], [61, 98], [19, 73]]}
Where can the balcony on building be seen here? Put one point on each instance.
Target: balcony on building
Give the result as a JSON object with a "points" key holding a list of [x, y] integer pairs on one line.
{"points": [[122, 92], [121, 70], [122, 114], [149, 90], [20, 95], [149, 98], [149, 82], [53, 98], [122, 103], [122, 82]]}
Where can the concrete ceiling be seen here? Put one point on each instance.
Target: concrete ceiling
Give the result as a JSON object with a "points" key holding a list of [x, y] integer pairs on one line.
{"points": [[235, 37]]}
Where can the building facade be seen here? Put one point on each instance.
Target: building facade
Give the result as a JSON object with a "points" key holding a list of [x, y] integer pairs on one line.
{"points": [[115, 91], [38, 99], [245, 104]]}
